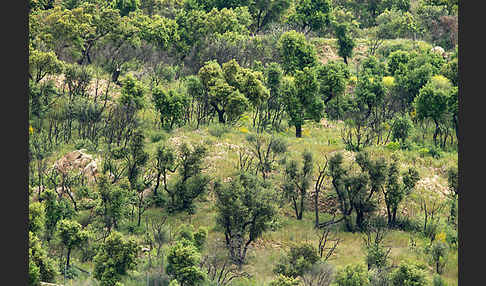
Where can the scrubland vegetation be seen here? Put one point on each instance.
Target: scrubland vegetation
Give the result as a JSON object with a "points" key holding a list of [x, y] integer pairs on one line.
{"points": [[243, 142]]}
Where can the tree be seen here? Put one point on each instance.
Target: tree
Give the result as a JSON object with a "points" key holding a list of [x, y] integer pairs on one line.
{"points": [[56, 209], [265, 12], [37, 218], [191, 182], [352, 275], [226, 100], [355, 192], [298, 260], [397, 58], [267, 150], [438, 253], [42, 64], [332, 78], [401, 128], [113, 201], [301, 99], [126, 6], [408, 275], [72, 236], [376, 253], [311, 15], [431, 103], [171, 105], [132, 93], [345, 41], [295, 52], [364, 118], [41, 266], [244, 209], [297, 182], [393, 24], [183, 259], [395, 192], [114, 258]]}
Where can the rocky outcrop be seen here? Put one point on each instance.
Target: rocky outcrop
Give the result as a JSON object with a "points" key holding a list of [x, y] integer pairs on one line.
{"points": [[79, 161]]}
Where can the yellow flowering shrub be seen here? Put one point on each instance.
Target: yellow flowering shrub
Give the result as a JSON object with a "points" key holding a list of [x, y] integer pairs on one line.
{"points": [[244, 130], [388, 81], [440, 237]]}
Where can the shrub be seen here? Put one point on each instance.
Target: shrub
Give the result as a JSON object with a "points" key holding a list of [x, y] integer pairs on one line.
{"points": [[393, 146], [423, 151], [297, 261], [438, 281], [438, 253], [408, 275], [435, 152], [352, 275], [282, 280]]}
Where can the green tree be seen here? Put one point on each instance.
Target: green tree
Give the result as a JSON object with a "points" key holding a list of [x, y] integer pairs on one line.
{"points": [[42, 64], [297, 182], [364, 118], [438, 253], [352, 275], [395, 192], [431, 103], [408, 275], [295, 52], [397, 58], [244, 209], [126, 6], [311, 15], [114, 258], [265, 12], [226, 100], [301, 99], [401, 128], [191, 183], [332, 78], [345, 42], [171, 105], [113, 201], [72, 236], [37, 218], [41, 266], [56, 209], [132, 93], [183, 264]]}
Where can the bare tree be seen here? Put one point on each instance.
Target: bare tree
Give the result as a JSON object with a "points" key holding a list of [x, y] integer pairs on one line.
{"points": [[317, 188], [321, 274], [327, 244], [218, 266]]}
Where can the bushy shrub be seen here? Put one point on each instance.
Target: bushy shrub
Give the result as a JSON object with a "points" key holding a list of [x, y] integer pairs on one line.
{"points": [[393, 146], [408, 275], [438, 281], [423, 151], [435, 152], [438, 254], [352, 275]]}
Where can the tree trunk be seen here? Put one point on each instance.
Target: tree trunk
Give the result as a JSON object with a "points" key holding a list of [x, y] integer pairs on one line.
{"points": [[298, 130], [220, 116], [68, 257], [316, 207]]}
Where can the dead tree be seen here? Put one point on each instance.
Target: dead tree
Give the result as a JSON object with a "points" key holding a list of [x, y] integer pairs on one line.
{"points": [[219, 268], [317, 188], [327, 244]]}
